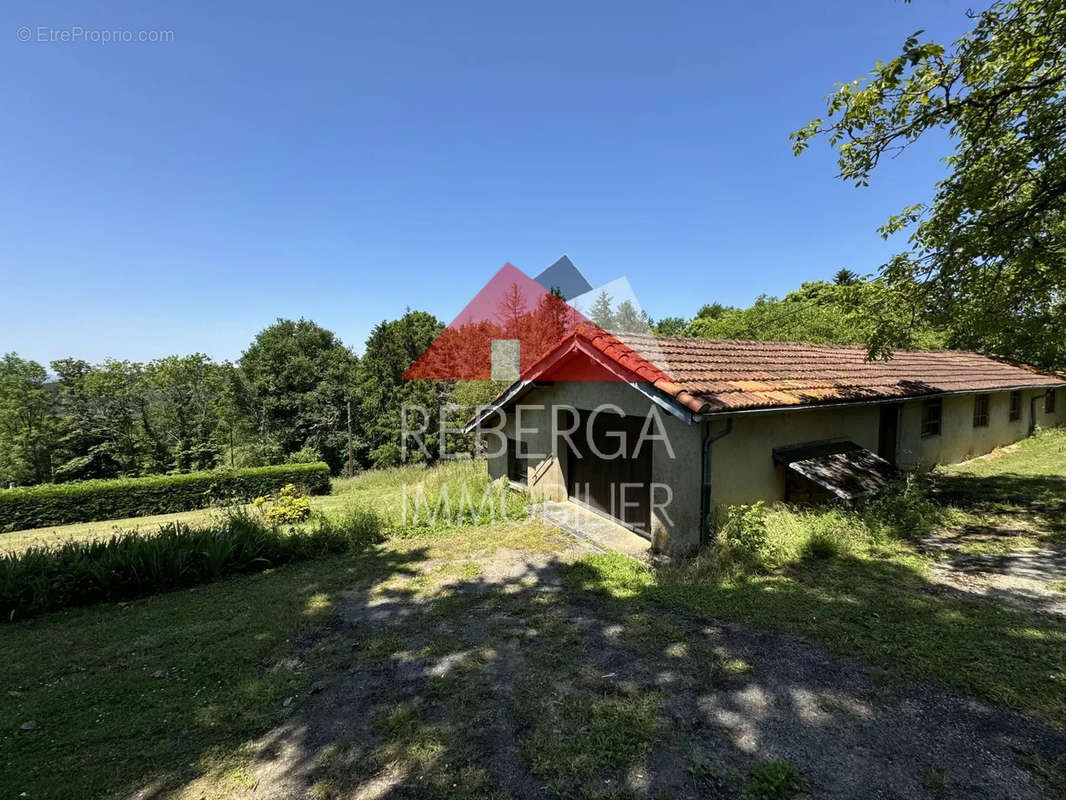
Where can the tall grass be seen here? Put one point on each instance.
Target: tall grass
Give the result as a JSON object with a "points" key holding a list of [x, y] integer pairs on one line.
{"points": [[758, 539], [407, 501], [455, 495], [408, 497], [129, 565]]}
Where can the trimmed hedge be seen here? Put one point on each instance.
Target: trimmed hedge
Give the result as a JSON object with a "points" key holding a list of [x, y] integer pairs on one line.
{"points": [[130, 565], [85, 501]]}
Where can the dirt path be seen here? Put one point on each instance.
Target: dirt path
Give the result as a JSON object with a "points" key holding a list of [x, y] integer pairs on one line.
{"points": [[1028, 578], [513, 683]]}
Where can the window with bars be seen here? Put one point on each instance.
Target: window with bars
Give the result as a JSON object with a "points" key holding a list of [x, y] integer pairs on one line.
{"points": [[931, 413], [980, 411], [1015, 406], [1049, 401]]}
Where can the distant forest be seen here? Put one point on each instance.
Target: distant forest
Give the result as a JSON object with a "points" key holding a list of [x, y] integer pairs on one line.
{"points": [[297, 393], [286, 399]]}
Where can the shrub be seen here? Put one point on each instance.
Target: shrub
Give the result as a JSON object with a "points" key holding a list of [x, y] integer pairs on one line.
{"points": [[84, 501], [257, 454], [829, 532], [903, 511], [743, 539], [130, 565], [287, 506], [305, 455], [826, 544], [759, 539]]}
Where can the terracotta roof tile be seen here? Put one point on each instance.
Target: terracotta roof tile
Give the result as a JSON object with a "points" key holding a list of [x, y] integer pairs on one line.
{"points": [[707, 375]]}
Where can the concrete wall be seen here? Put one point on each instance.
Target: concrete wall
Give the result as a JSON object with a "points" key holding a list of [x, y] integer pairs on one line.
{"points": [[742, 466], [742, 463], [959, 440], [675, 462]]}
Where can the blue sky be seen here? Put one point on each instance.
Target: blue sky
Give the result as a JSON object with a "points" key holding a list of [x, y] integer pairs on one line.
{"points": [[346, 161]]}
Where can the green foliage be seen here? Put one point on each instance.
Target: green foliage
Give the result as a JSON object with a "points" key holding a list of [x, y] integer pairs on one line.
{"points": [[628, 318], [184, 411], [774, 780], [601, 312], [845, 277], [743, 538], [625, 317], [758, 539], [712, 310], [671, 326], [255, 453], [828, 542], [820, 312], [82, 501], [305, 455], [383, 393], [287, 506], [905, 511], [124, 418], [29, 427], [286, 401], [467, 398], [985, 255], [130, 565], [101, 436], [297, 378]]}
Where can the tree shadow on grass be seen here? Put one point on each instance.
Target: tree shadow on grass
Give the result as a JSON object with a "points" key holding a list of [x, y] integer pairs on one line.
{"points": [[1039, 499], [143, 692], [594, 679]]}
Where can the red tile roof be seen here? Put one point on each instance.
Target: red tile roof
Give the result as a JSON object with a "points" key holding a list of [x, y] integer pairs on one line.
{"points": [[713, 375]]}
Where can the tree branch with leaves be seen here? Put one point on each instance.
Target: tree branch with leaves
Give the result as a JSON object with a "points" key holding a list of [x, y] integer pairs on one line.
{"points": [[987, 254]]}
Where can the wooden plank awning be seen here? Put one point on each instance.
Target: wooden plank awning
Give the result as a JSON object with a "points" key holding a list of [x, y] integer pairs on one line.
{"points": [[846, 469]]}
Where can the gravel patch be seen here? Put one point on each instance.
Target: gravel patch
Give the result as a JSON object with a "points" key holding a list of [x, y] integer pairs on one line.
{"points": [[1028, 579]]}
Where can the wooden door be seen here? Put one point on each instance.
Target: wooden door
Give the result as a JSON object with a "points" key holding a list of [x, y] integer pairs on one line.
{"points": [[618, 482], [888, 432]]}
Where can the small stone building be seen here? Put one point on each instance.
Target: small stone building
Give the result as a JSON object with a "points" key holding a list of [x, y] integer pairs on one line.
{"points": [[658, 432]]}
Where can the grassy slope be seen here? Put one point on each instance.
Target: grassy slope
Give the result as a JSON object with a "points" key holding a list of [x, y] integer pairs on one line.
{"points": [[169, 688], [1013, 497], [191, 674], [154, 693], [880, 609], [875, 601], [381, 489]]}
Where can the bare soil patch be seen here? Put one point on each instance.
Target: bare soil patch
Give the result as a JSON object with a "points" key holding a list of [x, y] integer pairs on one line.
{"points": [[514, 683]]}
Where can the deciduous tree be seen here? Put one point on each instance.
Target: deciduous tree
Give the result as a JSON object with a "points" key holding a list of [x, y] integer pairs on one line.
{"points": [[298, 377], [383, 393], [986, 255], [28, 424]]}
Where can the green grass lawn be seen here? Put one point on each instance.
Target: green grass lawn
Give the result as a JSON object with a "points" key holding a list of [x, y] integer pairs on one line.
{"points": [[1013, 497], [169, 694], [877, 607], [162, 690], [380, 489]]}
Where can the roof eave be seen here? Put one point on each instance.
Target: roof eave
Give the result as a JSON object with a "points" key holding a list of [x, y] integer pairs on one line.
{"points": [[874, 401]]}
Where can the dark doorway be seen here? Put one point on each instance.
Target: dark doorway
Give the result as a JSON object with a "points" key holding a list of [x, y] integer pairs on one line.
{"points": [[618, 482], [888, 432]]}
